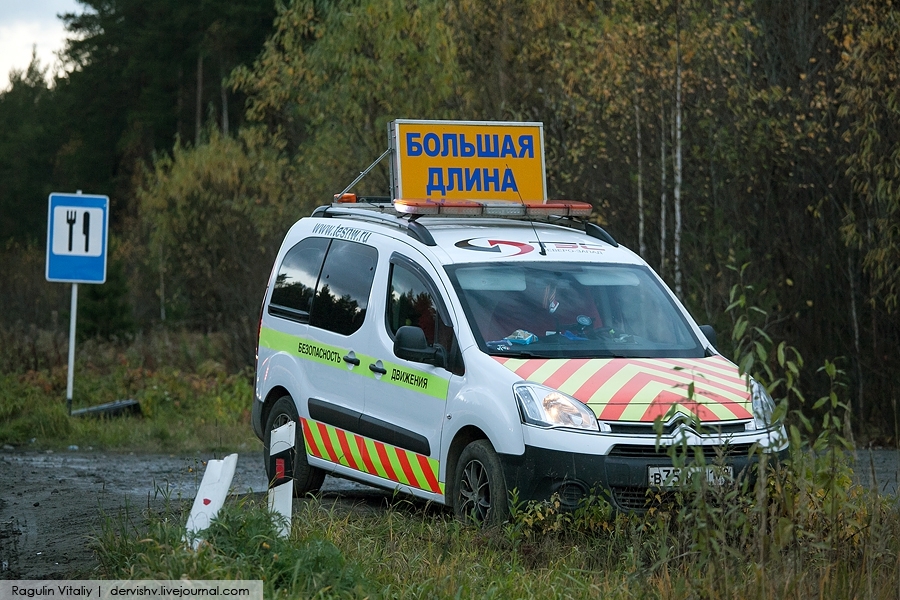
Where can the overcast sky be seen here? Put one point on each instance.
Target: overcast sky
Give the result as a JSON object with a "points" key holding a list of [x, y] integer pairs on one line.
{"points": [[28, 23]]}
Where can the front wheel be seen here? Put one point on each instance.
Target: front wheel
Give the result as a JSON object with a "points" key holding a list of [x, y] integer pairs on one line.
{"points": [[480, 491], [307, 479]]}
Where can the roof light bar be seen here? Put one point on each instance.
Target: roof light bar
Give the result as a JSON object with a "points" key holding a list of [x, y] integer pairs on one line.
{"points": [[438, 207], [562, 208], [504, 209], [565, 208]]}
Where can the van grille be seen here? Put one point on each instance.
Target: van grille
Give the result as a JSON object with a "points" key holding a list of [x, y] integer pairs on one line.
{"points": [[651, 451], [639, 499], [669, 428]]}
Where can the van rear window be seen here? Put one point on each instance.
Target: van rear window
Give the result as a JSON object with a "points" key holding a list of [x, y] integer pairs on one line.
{"points": [[295, 284], [342, 295]]}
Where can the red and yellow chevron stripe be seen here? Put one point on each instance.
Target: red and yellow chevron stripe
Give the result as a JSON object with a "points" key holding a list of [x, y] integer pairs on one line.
{"points": [[631, 389], [369, 456]]}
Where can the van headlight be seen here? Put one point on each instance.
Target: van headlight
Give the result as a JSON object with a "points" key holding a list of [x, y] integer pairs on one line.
{"points": [[763, 405], [547, 407]]}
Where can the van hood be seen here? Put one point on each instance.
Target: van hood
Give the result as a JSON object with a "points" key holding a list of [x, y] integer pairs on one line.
{"points": [[642, 389]]}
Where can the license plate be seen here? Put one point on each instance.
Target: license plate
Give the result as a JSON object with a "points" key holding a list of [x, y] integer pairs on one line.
{"points": [[670, 477]]}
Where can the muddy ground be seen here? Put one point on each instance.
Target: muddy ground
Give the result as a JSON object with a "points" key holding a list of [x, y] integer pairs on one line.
{"points": [[51, 504]]}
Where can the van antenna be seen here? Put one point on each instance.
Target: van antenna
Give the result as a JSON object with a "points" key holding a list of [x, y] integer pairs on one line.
{"points": [[543, 251], [364, 173]]}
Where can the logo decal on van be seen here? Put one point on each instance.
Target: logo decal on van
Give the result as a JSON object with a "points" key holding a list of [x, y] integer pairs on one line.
{"points": [[576, 247], [507, 248]]}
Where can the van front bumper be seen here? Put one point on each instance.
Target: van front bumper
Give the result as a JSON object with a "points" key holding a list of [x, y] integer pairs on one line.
{"points": [[621, 474]]}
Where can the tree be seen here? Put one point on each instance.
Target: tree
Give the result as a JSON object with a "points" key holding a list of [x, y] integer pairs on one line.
{"points": [[333, 75], [215, 215], [130, 91], [27, 138], [869, 103]]}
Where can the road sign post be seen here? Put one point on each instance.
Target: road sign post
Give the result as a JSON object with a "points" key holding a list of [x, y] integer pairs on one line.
{"points": [[77, 239], [70, 376]]}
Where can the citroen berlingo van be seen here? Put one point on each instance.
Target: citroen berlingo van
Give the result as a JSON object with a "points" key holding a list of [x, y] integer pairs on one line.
{"points": [[446, 350]]}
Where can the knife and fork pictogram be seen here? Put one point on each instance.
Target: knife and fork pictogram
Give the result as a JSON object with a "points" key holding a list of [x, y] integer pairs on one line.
{"points": [[86, 228], [71, 218]]}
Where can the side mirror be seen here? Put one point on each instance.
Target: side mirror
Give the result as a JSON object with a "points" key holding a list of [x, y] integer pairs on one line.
{"points": [[710, 334], [410, 344]]}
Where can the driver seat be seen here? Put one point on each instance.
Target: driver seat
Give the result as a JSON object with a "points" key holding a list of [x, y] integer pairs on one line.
{"points": [[514, 312]]}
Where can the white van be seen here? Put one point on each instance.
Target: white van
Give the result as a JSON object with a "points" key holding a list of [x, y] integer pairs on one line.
{"points": [[430, 348]]}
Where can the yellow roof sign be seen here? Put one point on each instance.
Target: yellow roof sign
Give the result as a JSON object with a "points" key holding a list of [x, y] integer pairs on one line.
{"points": [[468, 160]]}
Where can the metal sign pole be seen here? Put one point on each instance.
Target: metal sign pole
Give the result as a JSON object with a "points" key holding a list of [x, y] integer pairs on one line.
{"points": [[77, 231], [71, 376], [363, 174]]}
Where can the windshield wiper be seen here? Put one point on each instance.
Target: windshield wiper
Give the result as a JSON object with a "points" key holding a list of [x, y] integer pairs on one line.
{"points": [[519, 355]]}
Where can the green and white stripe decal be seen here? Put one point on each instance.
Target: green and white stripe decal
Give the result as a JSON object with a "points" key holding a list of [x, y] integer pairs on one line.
{"points": [[333, 356]]}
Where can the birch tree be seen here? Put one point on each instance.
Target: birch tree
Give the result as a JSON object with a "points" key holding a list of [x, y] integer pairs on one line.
{"points": [[678, 153], [642, 246], [663, 190]]}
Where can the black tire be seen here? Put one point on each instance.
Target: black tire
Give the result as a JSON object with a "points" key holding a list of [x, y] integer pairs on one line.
{"points": [[307, 479], [480, 493]]}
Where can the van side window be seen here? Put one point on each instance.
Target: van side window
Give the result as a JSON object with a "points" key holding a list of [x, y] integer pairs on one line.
{"points": [[410, 302], [343, 294], [295, 284]]}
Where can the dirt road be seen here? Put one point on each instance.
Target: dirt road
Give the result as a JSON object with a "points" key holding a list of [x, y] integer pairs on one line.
{"points": [[52, 503]]}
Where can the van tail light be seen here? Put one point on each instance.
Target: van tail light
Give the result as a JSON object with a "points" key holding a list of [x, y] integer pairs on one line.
{"points": [[259, 328]]}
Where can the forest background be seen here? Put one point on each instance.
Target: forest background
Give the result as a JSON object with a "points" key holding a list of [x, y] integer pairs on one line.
{"points": [[753, 142]]}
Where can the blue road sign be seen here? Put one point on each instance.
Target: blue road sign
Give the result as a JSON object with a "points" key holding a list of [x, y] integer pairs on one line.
{"points": [[77, 227]]}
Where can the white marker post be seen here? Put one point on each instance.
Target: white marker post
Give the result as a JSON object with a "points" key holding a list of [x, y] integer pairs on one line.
{"points": [[210, 497], [77, 240], [281, 487]]}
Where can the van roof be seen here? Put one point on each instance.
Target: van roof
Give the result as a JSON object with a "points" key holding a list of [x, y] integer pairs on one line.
{"points": [[480, 239]]}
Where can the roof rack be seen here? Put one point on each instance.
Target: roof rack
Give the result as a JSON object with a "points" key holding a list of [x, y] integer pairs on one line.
{"points": [[405, 213], [380, 211]]}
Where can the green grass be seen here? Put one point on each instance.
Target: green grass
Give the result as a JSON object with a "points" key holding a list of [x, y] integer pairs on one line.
{"points": [[188, 400], [804, 531], [807, 533]]}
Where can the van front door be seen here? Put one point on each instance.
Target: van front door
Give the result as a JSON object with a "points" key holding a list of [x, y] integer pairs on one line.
{"points": [[406, 400]]}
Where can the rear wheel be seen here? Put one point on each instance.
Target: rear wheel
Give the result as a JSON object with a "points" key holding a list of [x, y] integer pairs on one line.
{"points": [[480, 488], [307, 479]]}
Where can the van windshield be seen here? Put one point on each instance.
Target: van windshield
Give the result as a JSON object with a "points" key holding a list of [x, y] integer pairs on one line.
{"points": [[572, 310]]}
